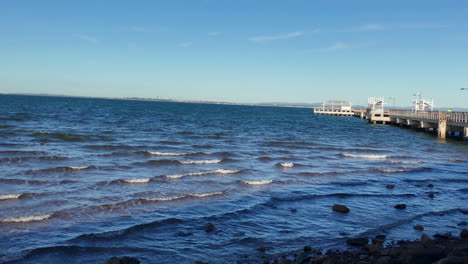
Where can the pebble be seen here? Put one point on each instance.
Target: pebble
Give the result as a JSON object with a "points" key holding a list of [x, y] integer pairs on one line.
{"points": [[340, 208], [400, 206], [209, 227]]}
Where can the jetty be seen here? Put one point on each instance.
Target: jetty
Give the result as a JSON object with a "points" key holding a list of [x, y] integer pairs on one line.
{"points": [[422, 117]]}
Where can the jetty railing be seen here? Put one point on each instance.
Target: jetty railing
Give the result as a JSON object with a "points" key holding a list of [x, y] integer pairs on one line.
{"points": [[458, 117]]}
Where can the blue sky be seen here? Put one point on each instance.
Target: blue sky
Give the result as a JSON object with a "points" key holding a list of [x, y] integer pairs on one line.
{"points": [[237, 51]]}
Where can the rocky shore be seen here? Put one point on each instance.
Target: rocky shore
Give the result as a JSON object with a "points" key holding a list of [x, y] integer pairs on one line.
{"points": [[441, 249]]}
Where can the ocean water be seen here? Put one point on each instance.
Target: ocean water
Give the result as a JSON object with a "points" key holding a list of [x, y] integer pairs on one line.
{"points": [[82, 180]]}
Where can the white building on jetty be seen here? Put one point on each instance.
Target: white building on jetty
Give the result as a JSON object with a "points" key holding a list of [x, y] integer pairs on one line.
{"points": [[334, 108]]}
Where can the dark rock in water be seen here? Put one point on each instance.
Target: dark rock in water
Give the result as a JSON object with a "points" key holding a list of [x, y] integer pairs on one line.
{"points": [[430, 185], [343, 234], [200, 262], [308, 249], [377, 241], [464, 233], [464, 211], [113, 260], [286, 261], [423, 255], [390, 186], [463, 223], [293, 210], [262, 249], [209, 227], [382, 237], [418, 227], [400, 206], [123, 260], [340, 208], [431, 195], [425, 240], [184, 234], [453, 260], [322, 259], [358, 241], [443, 236]]}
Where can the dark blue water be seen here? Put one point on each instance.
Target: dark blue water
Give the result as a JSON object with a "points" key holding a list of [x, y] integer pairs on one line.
{"points": [[82, 180]]}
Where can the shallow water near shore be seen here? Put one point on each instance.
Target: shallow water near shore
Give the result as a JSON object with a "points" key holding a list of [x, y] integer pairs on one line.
{"points": [[82, 180]]}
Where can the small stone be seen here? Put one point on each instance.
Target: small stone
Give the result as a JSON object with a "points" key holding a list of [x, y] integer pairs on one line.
{"points": [[390, 186], [262, 249], [321, 259], [400, 206], [376, 241], [425, 240], [464, 211], [129, 260], [418, 227], [307, 249], [340, 208], [358, 241], [200, 262], [464, 233], [430, 185], [209, 227], [293, 210], [113, 260], [431, 195], [363, 257], [443, 236], [286, 261], [381, 237]]}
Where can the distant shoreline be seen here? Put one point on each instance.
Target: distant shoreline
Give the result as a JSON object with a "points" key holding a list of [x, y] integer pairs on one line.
{"points": [[169, 100]]}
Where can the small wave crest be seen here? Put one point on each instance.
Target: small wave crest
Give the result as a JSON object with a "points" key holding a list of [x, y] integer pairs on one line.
{"points": [[364, 156], [201, 161], [200, 173], [256, 182], [157, 153], [286, 164], [10, 196], [137, 181], [405, 162], [26, 219]]}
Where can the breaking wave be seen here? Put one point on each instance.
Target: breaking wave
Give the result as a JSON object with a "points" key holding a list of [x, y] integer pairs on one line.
{"points": [[201, 161], [364, 156], [200, 173], [10, 196], [141, 180], [256, 182], [26, 219], [286, 164]]}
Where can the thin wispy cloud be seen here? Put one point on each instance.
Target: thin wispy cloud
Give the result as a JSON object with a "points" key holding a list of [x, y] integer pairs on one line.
{"points": [[266, 38], [422, 26], [87, 38], [185, 44], [337, 46], [139, 29], [371, 27]]}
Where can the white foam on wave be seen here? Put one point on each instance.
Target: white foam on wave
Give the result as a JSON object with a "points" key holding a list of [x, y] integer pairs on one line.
{"points": [[78, 167], [202, 195], [200, 161], [200, 173], [256, 182], [172, 198], [10, 196], [406, 162], [26, 219], [287, 164], [157, 153], [141, 180], [365, 156]]}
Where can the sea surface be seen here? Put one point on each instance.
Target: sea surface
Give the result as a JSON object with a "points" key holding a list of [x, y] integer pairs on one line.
{"points": [[82, 180]]}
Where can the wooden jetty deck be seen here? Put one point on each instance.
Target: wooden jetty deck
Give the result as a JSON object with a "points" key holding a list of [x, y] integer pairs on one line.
{"points": [[444, 123]]}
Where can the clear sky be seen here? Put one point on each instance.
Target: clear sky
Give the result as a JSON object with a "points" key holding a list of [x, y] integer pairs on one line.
{"points": [[237, 50]]}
